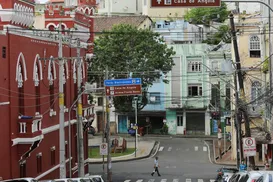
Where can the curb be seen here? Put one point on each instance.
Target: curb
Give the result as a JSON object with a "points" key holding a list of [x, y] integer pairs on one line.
{"points": [[208, 152], [125, 160], [165, 136]]}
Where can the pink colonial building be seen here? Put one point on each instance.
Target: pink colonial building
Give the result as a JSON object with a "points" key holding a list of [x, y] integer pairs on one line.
{"points": [[29, 106]]}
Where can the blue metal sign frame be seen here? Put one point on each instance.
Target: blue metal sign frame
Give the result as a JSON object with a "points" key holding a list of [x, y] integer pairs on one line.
{"points": [[121, 82]]}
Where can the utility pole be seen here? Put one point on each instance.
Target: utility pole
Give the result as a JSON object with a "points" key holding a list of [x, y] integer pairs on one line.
{"points": [[79, 114], [238, 126], [61, 105], [242, 106], [136, 127], [109, 163]]}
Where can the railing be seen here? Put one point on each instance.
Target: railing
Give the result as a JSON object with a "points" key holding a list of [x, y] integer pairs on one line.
{"points": [[25, 129]]}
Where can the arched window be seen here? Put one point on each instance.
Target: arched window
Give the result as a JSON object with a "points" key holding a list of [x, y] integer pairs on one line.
{"points": [[256, 89], [254, 47], [51, 86], [21, 89], [37, 88]]}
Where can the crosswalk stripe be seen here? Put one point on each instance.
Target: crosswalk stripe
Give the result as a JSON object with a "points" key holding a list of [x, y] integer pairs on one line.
{"points": [[127, 180], [175, 180], [151, 180], [212, 180], [170, 148], [204, 148], [164, 180], [196, 148], [188, 180], [200, 180], [161, 148], [140, 180]]}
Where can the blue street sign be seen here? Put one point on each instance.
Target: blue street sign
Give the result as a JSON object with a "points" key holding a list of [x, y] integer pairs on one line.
{"points": [[121, 82]]}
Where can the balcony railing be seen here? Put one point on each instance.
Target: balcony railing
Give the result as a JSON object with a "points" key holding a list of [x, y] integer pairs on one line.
{"points": [[29, 128]]}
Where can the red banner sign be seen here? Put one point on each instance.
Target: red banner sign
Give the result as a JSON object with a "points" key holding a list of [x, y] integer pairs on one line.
{"points": [[123, 90], [185, 3]]}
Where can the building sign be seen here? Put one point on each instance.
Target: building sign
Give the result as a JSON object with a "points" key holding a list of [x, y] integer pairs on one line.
{"points": [[123, 90], [249, 146], [185, 3], [123, 87]]}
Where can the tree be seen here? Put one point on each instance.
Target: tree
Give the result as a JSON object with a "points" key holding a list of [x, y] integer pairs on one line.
{"points": [[205, 15], [126, 50]]}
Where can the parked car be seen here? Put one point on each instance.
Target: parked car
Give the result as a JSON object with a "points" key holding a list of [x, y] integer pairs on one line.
{"points": [[246, 176], [65, 180], [95, 178], [21, 180], [266, 177]]}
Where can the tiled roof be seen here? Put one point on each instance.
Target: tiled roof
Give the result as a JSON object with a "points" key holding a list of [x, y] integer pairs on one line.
{"points": [[106, 23]]}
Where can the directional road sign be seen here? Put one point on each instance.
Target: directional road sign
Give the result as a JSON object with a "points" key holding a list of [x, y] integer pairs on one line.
{"points": [[184, 3], [123, 90], [122, 82]]}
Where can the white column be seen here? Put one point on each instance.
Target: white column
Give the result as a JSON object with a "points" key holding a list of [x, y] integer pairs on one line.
{"points": [[207, 123], [184, 120]]}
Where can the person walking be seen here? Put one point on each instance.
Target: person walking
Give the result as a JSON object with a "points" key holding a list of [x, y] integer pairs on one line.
{"points": [[156, 166]]}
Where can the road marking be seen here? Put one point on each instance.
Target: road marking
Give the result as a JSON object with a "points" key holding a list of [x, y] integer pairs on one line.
{"points": [[127, 180], [188, 180], [212, 180], [196, 148], [204, 149], [140, 180], [169, 149], [160, 149], [200, 180], [164, 180], [151, 180], [175, 180], [178, 149]]}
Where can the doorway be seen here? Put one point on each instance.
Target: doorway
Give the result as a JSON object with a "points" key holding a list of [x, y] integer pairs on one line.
{"points": [[179, 123]]}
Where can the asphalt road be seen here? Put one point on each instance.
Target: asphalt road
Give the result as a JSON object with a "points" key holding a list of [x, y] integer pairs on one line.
{"points": [[180, 160]]}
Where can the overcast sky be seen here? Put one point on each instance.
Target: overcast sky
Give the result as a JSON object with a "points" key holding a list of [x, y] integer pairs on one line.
{"points": [[41, 1]]}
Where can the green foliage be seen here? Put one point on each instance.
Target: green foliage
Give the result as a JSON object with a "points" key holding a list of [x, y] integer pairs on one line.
{"points": [[217, 14], [216, 38], [126, 49]]}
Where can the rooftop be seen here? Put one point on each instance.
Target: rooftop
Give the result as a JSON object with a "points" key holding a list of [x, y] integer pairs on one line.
{"points": [[106, 23]]}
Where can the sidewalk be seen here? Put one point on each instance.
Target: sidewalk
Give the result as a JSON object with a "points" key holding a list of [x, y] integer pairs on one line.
{"points": [[226, 155], [145, 149]]}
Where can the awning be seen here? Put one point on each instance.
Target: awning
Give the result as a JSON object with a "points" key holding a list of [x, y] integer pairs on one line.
{"points": [[27, 154]]}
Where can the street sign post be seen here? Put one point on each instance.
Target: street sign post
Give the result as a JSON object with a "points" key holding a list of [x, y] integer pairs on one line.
{"points": [[103, 149], [122, 82], [249, 146], [123, 90], [184, 3], [123, 87]]}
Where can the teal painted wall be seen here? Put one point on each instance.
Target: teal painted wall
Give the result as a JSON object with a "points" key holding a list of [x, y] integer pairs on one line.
{"points": [[171, 121]]}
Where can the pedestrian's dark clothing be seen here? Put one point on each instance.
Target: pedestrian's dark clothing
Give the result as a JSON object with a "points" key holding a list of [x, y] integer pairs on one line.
{"points": [[156, 166]]}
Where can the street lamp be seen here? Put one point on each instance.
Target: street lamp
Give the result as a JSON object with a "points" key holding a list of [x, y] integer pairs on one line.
{"points": [[86, 91]]}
